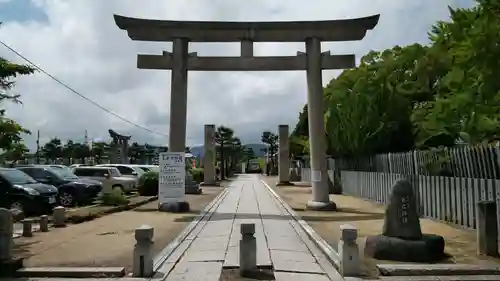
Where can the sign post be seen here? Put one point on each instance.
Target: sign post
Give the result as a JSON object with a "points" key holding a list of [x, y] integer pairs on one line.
{"points": [[172, 177]]}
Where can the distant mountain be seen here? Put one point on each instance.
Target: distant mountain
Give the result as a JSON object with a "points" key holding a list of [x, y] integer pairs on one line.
{"points": [[257, 148]]}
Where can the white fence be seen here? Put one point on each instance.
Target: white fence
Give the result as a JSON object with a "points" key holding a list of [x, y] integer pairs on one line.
{"points": [[305, 174], [449, 199]]}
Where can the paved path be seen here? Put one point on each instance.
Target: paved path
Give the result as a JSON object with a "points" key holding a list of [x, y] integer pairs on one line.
{"points": [[281, 243]]}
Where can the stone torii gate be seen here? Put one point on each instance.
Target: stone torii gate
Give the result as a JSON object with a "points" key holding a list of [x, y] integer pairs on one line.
{"points": [[313, 61]]}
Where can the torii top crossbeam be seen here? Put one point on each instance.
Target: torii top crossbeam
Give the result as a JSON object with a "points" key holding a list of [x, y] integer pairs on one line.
{"points": [[216, 31]]}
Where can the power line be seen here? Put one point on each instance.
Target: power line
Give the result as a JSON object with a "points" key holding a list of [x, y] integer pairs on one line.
{"points": [[79, 94]]}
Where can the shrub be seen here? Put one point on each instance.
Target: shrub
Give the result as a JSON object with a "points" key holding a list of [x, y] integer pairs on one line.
{"points": [[148, 184], [114, 198], [197, 174]]}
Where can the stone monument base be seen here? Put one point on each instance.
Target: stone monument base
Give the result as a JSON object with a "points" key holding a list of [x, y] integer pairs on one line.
{"points": [[284, 183], [177, 207], [321, 206], [9, 268], [428, 249]]}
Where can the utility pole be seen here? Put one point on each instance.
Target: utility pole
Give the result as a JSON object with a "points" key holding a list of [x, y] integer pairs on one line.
{"points": [[37, 154]]}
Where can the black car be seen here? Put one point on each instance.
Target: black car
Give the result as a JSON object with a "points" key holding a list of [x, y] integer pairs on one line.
{"points": [[72, 189], [20, 191]]}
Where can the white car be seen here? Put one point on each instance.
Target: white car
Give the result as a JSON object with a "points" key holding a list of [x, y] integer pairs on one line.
{"points": [[109, 176], [148, 168], [128, 171]]}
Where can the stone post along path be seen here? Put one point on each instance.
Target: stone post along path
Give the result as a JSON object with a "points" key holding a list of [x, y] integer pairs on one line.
{"points": [[214, 243]]}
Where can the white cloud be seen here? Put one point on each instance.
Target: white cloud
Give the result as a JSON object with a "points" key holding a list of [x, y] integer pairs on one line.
{"points": [[81, 45]]}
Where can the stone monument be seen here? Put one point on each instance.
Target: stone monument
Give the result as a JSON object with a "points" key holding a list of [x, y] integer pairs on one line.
{"points": [[119, 146], [313, 61], [402, 238]]}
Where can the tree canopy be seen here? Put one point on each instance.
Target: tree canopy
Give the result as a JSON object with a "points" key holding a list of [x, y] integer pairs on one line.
{"points": [[418, 96], [10, 130]]}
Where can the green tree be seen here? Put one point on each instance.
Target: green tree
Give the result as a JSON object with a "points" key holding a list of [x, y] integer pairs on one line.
{"points": [[99, 151], [10, 131], [81, 151], [17, 152], [467, 104], [68, 151], [52, 149], [271, 140], [248, 154], [224, 139]]}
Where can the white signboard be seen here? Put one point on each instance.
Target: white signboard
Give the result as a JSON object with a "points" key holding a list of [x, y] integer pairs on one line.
{"points": [[172, 177]]}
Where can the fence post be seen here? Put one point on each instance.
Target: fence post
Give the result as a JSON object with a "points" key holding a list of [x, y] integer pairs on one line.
{"points": [[390, 162]]}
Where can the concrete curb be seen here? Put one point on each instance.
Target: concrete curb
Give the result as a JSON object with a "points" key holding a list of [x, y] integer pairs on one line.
{"points": [[71, 272], [112, 210], [164, 254], [327, 250]]}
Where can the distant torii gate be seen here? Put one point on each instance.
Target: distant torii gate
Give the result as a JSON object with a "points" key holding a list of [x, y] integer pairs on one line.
{"points": [[313, 61]]}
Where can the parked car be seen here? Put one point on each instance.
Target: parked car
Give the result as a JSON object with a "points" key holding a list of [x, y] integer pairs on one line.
{"points": [[148, 168], [110, 177], [20, 191], [71, 188], [76, 165], [129, 171]]}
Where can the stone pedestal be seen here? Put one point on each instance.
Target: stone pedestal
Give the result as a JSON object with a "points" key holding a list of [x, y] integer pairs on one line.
{"points": [[349, 251], [59, 216], [317, 137], [44, 223], [487, 229], [283, 156], [143, 252], [248, 249], [8, 265], [209, 157], [402, 238], [27, 227]]}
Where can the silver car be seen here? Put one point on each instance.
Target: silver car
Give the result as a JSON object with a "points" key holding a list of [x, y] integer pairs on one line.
{"points": [[109, 176]]}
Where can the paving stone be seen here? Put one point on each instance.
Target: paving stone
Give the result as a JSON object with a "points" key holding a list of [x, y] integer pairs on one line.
{"points": [[289, 243], [233, 257], [292, 276], [210, 243], [196, 271], [177, 253], [291, 256], [194, 255]]}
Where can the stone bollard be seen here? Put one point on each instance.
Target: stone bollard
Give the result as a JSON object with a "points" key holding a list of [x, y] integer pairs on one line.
{"points": [[6, 232], [59, 216], [27, 227], [349, 251], [487, 230], [44, 223], [248, 249], [143, 252]]}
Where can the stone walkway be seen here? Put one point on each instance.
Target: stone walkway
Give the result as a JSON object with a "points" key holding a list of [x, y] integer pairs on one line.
{"points": [[281, 243]]}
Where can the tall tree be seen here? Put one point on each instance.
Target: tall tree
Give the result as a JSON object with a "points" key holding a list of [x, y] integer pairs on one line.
{"points": [[271, 140], [52, 149], [99, 151], [10, 131], [223, 138]]}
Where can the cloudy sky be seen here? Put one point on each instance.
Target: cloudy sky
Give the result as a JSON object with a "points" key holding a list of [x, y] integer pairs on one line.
{"points": [[78, 42]]}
